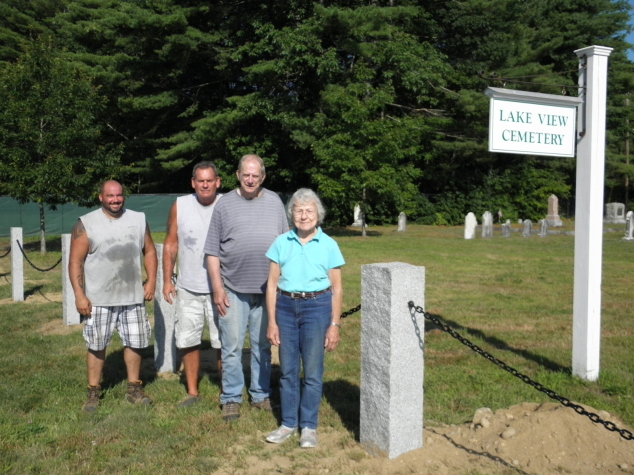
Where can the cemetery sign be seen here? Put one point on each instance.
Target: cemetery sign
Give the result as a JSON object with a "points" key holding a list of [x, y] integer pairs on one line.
{"points": [[531, 123]]}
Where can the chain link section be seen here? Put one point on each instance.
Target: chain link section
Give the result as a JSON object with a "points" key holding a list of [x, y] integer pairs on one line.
{"points": [[6, 253], [33, 265], [351, 311], [626, 434]]}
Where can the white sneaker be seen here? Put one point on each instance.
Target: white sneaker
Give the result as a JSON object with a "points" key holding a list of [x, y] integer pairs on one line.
{"points": [[308, 439], [280, 434]]}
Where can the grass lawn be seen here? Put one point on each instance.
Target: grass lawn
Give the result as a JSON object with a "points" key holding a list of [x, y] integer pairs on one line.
{"points": [[512, 297]]}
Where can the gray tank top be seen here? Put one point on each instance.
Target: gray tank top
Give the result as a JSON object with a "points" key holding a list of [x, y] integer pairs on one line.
{"points": [[193, 222], [113, 264]]}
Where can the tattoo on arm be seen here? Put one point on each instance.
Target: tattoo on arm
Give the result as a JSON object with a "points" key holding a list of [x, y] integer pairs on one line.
{"points": [[78, 229]]}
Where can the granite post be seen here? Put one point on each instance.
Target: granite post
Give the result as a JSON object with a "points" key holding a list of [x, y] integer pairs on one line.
{"points": [[629, 226], [402, 222], [165, 353], [70, 316], [392, 335], [17, 266]]}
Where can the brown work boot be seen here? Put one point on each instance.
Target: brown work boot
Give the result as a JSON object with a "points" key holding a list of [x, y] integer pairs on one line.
{"points": [[135, 393], [92, 402], [230, 411], [264, 405]]}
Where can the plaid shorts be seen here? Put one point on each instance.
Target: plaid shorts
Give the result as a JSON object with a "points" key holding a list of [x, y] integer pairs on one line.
{"points": [[192, 309], [130, 321]]}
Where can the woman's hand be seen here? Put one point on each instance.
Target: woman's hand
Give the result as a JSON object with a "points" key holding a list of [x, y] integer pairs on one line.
{"points": [[273, 334], [332, 338]]}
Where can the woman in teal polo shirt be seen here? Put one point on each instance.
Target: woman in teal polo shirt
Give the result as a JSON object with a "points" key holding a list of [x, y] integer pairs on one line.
{"points": [[303, 301]]}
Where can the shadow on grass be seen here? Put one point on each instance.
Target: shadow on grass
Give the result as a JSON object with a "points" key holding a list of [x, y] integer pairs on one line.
{"points": [[114, 371], [501, 345], [347, 232], [36, 289], [345, 398], [53, 244]]}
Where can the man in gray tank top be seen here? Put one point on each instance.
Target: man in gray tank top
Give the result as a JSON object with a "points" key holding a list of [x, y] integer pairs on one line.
{"points": [[105, 272], [187, 227], [244, 224]]}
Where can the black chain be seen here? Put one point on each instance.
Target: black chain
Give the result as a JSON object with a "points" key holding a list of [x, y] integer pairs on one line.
{"points": [[33, 265], [351, 311], [6, 253], [626, 434]]}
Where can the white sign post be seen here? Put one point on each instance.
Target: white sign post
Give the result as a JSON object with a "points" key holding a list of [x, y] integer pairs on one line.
{"points": [[543, 124], [586, 307]]}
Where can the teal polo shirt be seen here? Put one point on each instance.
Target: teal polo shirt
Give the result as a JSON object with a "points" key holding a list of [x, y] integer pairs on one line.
{"points": [[305, 268]]}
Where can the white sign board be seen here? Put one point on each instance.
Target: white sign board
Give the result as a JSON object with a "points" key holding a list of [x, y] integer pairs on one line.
{"points": [[531, 123]]}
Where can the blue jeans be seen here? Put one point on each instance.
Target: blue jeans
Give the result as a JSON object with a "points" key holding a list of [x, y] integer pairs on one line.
{"points": [[244, 309], [302, 325]]}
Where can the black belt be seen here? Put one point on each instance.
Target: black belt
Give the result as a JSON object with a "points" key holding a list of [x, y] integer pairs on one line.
{"points": [[303, 295]]}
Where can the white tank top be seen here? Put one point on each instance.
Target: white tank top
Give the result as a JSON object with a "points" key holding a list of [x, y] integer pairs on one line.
{"points": [[113, 264], [193, 222]]}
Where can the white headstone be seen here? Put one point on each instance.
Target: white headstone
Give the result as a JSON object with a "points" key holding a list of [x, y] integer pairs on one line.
{"points": [[470, 224], [487, 224], [614, 213], [391, 415], [543, 228], [358, 222], [528, 228], [506, 229], [402, 222], [553, 212]]}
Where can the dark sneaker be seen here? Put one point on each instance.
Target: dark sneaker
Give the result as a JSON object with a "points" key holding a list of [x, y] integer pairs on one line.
{"points": [[92, 402], [189, 401], [264, 405], [230, 411], [135, 393]]}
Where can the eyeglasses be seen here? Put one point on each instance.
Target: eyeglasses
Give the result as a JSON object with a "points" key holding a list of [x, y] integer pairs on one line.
{"points": [[308, 212]]}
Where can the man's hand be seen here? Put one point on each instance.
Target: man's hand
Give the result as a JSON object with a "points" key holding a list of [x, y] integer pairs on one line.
{"points": [[148, 290], [169, 292], [83, 304], [221, 300], [273, 334]]}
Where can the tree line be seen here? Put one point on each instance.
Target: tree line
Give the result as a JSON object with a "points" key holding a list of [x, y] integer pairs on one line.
{"points": [[382, 99]]}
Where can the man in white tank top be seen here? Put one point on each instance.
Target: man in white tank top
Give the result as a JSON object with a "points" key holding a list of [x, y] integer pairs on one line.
{"points": [[187, 227], [105, 272]]}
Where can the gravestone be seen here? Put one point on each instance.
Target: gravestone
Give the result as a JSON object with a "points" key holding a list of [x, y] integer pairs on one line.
{"points": [[528, 228], [614, 213], [402, 222], [553, 212], [506, 228], [487, 224], [358, 222], [543, 228], [629, 226], [391, 406], [520, 221], [470, 224], [165, 353]]}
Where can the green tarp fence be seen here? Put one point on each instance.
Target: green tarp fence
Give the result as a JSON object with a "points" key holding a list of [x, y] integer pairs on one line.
{"points": [[62, 220]]}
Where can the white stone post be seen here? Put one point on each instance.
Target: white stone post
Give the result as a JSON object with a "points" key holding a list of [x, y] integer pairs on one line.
{"points": [[69, 310], [392, 338], [17, 266], [586, 329], [165, 353]]}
